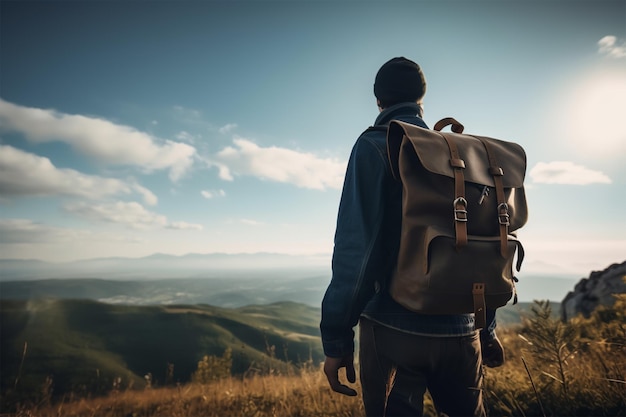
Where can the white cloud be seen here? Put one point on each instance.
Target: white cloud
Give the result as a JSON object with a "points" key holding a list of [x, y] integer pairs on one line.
{"points": [[224, 172], [24, 231], [208, 194], [251, 222], [565, 172], [185, 226], [304, 170], [187, 113], [185, 136], [148, 197], [613, 47], [27, 239], [227, 128], [98, 138], [130, 214], [26, 174]]}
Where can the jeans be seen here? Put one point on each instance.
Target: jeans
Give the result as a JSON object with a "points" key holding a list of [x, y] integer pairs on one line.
{"points": [[397, 368]]}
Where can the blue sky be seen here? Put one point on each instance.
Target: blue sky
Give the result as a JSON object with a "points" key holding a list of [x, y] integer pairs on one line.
{"points": [[132, 128]]}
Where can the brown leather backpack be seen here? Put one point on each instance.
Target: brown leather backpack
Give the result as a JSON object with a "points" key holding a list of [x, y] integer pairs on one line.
{"points": [[463, 199]]}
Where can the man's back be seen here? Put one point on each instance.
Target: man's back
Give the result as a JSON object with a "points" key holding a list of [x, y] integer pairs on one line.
{"points": [[399, 348]]}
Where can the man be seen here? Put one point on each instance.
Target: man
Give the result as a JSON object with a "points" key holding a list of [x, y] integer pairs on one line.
{"points": [[402, 353]]}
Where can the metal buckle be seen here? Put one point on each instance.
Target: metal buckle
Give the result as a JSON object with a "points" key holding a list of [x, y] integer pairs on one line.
{"points": [[503, 214], [460, 214]]}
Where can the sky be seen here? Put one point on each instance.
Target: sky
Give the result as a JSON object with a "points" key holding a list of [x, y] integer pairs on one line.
{"points": [[129, 128]]}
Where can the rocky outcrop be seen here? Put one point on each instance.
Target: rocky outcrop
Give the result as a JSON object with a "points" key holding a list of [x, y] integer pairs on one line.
{"points": [[594, 291]]}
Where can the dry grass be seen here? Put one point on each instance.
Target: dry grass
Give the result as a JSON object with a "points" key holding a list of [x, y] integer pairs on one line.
{"points": [[593, 390], [562, 369], [269, 395]]}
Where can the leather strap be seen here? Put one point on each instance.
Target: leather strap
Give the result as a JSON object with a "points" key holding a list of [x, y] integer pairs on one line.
{"points": [[480, 314], [460, 203], [503, 209], [456, 126]]}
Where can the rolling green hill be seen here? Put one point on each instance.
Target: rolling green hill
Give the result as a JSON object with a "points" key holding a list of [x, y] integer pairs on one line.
{"points": [[83, 346]]}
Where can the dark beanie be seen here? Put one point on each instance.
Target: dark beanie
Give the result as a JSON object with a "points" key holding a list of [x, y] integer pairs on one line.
{"points": [[399, 80]]}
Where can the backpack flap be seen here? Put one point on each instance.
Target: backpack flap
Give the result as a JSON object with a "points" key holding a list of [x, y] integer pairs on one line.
{"points": [[432, 151]]}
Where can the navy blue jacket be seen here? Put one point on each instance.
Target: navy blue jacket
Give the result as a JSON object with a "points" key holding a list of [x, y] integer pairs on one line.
{"points": [[366, 248]]}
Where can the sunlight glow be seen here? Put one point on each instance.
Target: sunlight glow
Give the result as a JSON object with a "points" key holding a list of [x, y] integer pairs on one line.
{"points": [[594, 115]]}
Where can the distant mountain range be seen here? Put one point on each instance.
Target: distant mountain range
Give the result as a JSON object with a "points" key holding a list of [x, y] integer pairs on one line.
{"points": [[167, 266], [228, 280], [230, 291]]}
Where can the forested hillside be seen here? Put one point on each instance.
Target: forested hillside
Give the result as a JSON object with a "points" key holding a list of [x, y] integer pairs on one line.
{"points": [[84, 346]]}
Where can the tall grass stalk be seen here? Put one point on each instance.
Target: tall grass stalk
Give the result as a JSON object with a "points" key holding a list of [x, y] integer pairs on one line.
{"points": [[543, 412], [19, 372]]}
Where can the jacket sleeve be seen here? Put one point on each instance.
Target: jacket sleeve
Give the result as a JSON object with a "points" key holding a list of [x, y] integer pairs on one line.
{"points": [[357, 258]]}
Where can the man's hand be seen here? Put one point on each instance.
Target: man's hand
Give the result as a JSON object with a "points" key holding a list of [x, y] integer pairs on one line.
{"points": [[493, 352], [331, 369]]}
